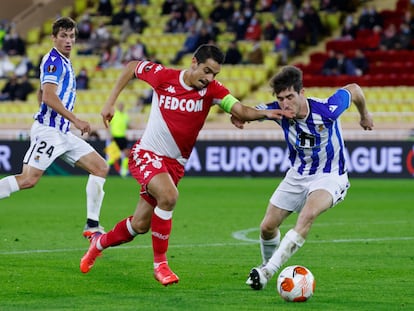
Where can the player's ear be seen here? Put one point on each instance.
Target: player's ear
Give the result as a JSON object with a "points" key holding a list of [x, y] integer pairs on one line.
{"points": [[194, 63]]}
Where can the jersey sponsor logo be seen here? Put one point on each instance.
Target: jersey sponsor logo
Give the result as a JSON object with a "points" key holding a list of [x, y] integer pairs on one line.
{"points": [[173, 103], [305, 140]]}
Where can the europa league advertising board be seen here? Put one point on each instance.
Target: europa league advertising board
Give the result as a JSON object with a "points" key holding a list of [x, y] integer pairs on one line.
{"points": [[365, 159]]}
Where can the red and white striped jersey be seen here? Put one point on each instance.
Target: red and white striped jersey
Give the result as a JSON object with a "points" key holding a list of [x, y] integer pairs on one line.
{"points": [[178, 111]]}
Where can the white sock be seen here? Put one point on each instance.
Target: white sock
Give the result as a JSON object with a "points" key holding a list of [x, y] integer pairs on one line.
{"points": [[94, 196], [268, 247], [165, 215], [98, 244], [8, 185], [129, 227], [289, 245]]}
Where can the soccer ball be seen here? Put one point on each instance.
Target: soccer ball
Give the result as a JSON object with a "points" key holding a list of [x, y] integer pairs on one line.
{"points": [[296, 283]]}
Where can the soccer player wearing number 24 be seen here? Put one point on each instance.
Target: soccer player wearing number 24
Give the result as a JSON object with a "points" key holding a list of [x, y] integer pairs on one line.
{"points": [[180, 105], [50, 135], [317, 179]]}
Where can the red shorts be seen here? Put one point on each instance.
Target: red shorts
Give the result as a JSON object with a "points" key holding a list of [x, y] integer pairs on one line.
{"points": [[144, 164]]}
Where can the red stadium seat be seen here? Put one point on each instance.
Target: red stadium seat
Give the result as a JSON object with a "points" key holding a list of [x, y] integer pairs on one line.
{"points": [[364, 33], [318, 57], [341, 45], [402, 6]]}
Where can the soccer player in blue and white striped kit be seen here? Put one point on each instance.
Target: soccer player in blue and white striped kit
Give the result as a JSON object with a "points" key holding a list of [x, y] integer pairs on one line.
{"points": [[317, 179], [50, 135]]}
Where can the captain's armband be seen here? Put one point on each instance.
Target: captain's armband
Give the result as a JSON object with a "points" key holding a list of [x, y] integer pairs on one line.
{"points": [[228, 102]]}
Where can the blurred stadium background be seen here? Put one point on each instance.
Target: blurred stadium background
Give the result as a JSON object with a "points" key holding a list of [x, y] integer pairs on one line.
{"points": [[388, 86]]}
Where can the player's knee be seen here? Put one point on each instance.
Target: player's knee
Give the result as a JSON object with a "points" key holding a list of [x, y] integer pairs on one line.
{"points": [[140, 226], [308, 215], [168, 201], [28, 182], [102, 169], [267, 230]]}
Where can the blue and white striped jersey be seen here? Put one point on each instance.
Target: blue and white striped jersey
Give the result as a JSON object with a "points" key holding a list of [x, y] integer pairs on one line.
{"points": [[56, 68], [315, 143]]}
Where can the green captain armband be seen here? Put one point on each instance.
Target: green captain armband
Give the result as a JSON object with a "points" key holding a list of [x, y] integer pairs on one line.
{"points": [[228, 102]]}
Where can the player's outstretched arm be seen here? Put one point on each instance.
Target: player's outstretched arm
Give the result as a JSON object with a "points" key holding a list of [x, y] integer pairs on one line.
{"points": [[358, 98], [241, 113], [247, 113], [127, 74]]}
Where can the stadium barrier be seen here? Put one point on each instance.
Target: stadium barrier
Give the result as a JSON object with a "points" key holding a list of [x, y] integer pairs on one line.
{"points": [[366, 159]]}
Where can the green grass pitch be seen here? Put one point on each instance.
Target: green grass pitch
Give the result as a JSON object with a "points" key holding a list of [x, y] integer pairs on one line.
{"points": [[361, 252]]}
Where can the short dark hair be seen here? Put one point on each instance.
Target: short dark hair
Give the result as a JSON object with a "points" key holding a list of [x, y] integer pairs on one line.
{"points": [[206, 51], [287, 77], [63, 23]]}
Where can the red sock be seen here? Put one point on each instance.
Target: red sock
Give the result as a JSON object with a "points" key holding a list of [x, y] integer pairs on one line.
{"points": [[118, 235], [116, 166], [161, 230]]}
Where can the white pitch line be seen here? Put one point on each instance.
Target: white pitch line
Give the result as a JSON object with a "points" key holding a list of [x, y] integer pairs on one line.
{"points": [[237, 235], [242, 236]]}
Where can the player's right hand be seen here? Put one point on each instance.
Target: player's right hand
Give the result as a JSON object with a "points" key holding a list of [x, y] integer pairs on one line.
{"points": [[107, 114], [367, 122]]}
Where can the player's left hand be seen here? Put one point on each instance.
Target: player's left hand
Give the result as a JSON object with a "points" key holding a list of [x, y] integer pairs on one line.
{"points": [[237, 122], [83, 126], [278, 114]]}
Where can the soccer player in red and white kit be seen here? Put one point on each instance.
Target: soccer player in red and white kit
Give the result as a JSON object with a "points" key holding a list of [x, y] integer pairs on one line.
{"points": [[180, 105]]}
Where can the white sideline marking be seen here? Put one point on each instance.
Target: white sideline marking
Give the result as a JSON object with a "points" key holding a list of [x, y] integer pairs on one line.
{"points": [[242, 236], [238, 235]]}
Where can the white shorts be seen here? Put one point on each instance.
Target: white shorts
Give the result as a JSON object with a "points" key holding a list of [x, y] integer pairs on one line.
{"points": [[292, 192], [48, 143]]}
